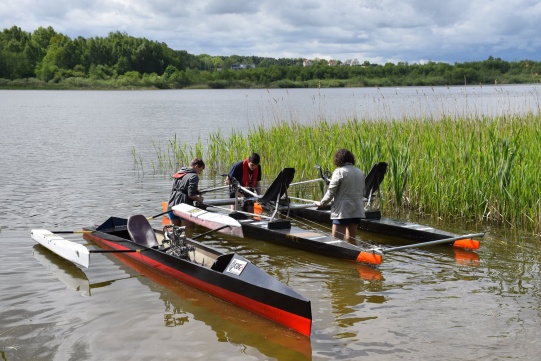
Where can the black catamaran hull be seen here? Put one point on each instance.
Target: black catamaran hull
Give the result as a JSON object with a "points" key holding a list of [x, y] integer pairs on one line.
{"points": [[380, 225], [309, 241], [374, 222], [252, 289], [283, 233]]}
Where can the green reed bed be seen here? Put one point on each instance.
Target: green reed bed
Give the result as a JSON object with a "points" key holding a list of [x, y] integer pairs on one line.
{"points": [[174, 155], [481, 169]]}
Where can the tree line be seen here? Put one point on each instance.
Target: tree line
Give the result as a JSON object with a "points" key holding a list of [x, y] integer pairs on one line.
{"points": [[47, 59]]}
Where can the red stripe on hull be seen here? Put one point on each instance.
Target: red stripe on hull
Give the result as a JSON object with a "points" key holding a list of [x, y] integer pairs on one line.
{"points": [[298, 323]]}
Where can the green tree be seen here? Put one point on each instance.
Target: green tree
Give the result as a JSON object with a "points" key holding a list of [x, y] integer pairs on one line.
{"points": [[60, 54], [14, 61], [122, 65], [178, 80], [169, 71]]}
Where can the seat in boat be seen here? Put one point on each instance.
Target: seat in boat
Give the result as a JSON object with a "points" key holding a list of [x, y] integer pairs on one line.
{"points": [[278, 187], [373, 181], [141, 231]]}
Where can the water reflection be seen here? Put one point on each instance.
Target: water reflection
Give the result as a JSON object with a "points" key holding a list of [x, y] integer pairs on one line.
{"points": [[230, 323], [466, 258], [67, 272], [369, 273], [349, 298], [437, 303]]}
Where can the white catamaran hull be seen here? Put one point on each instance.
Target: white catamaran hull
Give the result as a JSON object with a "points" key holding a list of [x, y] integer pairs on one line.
{"points": [[210, 220], [74, 252]]}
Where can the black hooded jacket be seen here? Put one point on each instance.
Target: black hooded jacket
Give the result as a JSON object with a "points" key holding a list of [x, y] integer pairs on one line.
{"points": [[185, 184]]}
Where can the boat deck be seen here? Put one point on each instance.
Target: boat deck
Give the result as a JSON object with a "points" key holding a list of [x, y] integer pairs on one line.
{"points": [[281, 232], [377, 224]]}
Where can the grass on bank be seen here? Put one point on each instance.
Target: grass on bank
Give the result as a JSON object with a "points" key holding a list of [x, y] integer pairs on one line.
{"points": [[481, 169]]}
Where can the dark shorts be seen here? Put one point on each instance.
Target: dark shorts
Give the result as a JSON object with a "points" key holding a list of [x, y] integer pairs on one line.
{"points": [[173, 216], [346, 221]]}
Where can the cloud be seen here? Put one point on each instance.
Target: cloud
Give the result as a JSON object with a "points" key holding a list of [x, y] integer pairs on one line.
{"points": [[218, 7], [373, 30]]}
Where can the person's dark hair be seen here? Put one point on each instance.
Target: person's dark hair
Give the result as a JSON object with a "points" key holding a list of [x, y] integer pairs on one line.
{"points": [[343, 156], [254, 158], [197, 162]]}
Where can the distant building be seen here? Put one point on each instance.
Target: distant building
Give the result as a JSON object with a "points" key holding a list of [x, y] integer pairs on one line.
{"points": [[350, 62], [242, 66], [308, 62]]}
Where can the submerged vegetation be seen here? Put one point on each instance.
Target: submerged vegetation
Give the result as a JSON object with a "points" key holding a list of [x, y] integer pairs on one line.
{"points": [[480, 169]]}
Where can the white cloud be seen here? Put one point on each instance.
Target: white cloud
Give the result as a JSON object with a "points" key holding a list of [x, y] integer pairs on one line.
{"points": [[373, 30]]}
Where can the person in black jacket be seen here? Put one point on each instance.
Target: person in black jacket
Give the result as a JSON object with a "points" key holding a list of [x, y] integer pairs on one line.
{"points": [[185, 189]]}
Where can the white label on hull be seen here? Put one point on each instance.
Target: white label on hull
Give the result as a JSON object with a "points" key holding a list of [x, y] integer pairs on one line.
{"points": [[236, 267]]}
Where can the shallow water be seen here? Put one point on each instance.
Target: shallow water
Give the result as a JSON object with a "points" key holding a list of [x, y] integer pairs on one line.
{"points": [[66, 163]]}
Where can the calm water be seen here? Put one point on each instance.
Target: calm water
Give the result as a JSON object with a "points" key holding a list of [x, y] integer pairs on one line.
{"points": [[66, 162]]}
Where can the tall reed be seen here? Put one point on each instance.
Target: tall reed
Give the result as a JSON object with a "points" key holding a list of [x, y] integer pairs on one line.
{"points": [[175, 155], [476, 168]]}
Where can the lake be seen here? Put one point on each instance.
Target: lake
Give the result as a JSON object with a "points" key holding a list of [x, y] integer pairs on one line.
{"points": [[66, 162]]}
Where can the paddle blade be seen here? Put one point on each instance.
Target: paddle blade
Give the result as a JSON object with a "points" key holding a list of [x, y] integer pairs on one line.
{"points": [[369, 258], [467, 244], [165, 219]]}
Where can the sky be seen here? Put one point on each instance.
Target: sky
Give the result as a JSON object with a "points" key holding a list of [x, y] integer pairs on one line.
{"points": [[378, 31]]}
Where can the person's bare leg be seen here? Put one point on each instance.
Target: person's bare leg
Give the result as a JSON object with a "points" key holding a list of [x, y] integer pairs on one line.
{"points": [[338, 231], [351, 232]]}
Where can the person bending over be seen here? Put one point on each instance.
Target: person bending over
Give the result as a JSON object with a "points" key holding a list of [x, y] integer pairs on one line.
{"points": [[247, 173], [185, 190]]}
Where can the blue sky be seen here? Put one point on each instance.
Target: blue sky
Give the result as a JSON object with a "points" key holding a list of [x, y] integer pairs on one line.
{"points": [[378, 31]]}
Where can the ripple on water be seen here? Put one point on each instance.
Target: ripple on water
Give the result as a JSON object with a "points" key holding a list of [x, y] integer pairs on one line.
{"points": [[67, 163]]}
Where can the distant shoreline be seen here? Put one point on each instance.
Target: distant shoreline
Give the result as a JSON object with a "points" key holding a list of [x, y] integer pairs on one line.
{"points": [[85, 84]]}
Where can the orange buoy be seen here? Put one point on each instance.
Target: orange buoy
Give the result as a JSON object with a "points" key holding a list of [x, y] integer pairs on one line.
{"points": [[467, 243], [370, 258]]}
